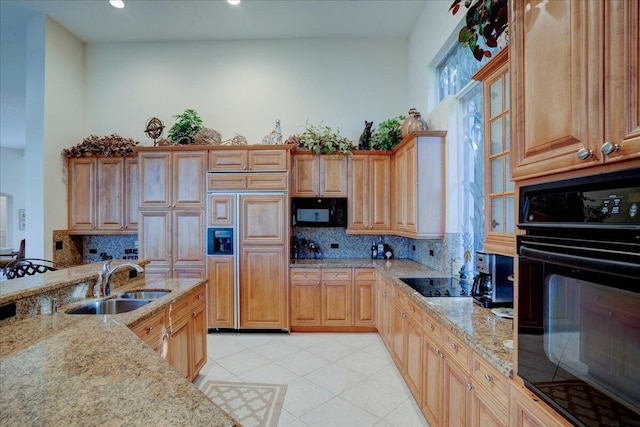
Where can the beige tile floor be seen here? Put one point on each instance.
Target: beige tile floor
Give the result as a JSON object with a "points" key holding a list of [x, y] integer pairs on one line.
{"points": [[333, 379]]}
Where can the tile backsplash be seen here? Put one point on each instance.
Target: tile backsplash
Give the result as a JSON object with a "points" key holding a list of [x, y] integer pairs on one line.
{"points": [[100, 248]]}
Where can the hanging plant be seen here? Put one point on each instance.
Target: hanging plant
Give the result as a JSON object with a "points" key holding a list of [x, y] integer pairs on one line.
{"points": [[388, 134], [485, 18], [185, 128]]}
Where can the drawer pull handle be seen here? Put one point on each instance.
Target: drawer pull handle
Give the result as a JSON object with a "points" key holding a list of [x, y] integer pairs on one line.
{"points": [[430, 325], [438, 351], [488, 377], [453, 346], [469, 387], [335, 274], [193, 314], [149, 329], [413, 310], [305, 274]]}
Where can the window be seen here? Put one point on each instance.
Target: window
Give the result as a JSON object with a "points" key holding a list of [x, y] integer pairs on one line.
{"points": [[455, 70]]}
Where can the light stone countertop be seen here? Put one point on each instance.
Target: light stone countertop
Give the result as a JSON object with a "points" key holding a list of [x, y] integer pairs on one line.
{"points": [[63, 369], [477, 326]]}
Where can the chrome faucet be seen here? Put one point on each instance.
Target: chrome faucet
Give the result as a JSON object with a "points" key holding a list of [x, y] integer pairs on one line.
{"points": [[107, 272]]}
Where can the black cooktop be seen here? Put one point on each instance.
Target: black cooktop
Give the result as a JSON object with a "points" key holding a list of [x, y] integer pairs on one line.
{"points": [[438, 287]]}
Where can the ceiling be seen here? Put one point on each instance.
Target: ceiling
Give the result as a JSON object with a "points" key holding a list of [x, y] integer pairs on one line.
{"points": [[95, 21]]}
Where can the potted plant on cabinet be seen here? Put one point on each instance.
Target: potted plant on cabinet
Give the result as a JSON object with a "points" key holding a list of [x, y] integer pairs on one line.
{"points": [[388, 134], [185, 128], [321, 139]]}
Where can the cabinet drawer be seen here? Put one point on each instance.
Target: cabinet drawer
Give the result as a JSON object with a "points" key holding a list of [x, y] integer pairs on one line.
{"points": [[488, 378], [397, 296], [365, 274], [151, 329], [414, 310], [267, 181], [336, 274], [274, 160], [456, 349], [226, 182], [305, 274], [178, 309], [197, 297], [432, 328], [232, 160]]}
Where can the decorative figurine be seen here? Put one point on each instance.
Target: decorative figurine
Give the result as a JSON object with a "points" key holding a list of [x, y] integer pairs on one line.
{"points": [[275, 136], [366, 136]]}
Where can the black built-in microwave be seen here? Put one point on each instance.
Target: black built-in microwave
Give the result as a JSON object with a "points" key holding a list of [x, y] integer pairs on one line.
{"points": [[319, 211]]}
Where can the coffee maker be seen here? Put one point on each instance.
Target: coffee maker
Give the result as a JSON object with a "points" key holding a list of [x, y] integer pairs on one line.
{"points": [[493, 286]]}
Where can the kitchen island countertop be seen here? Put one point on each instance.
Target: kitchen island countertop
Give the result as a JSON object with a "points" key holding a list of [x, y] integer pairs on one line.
{"points": [[63, 369]]}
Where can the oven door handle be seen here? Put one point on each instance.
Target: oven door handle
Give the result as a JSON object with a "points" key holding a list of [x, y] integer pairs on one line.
{"points": [[618, 268]]}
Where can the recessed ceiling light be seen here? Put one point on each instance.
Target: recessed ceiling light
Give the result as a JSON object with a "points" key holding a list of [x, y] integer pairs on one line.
{"points": [[233, 2], [118, 4]]}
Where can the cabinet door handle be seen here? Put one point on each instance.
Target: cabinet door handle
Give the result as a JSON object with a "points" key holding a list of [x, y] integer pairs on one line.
{"points": [[609, 148], [488, 378], [193, 314], [431, 327], [305, 274], [413, 310], [453, 346], [469, 387], [335, 274], [149, 329], [584, 154]]}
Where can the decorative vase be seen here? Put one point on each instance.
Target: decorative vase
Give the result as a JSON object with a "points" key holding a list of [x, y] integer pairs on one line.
{"points": [[404, 130], [418, 123]]}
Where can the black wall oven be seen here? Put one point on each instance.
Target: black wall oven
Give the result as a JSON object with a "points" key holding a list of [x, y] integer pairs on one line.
{"points": [[579, 297]]}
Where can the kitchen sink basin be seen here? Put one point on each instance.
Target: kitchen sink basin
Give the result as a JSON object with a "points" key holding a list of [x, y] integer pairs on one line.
{"points": [[110, 306], [148, 294]]}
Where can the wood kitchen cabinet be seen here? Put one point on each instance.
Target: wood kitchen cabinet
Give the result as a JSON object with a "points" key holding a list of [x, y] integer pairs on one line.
{"points": [[152, 331], [418, 168], [369, 193], [172, 215], [575, 84], [249, 159], [220, 292], [319, 175], [527, 410], [263, 279], [263, 219], [305, 297], [102, 195], [365, 297], [337, 297], [221, 210]]}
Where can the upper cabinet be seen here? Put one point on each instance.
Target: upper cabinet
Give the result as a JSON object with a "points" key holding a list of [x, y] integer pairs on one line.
{"points": [[498, 186], [244, 159], [369, 193], [575, 84], [319, 175], [418, 177], [102, 195], [172, 179]]}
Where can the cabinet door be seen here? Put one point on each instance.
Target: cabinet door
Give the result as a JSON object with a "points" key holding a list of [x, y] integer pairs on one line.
{"points": [[379, 192], [333, 175], [622, 78], [411, 184], [454, 390], [227, 160], [305, 303], [359, 194], [155, 179], [109, 200], [82, 193], [553, 90], [268, 160], [484, 413], [365, 298], [155, 238], [152, 330], [220, 293], [198, 338], [187, 236], [132, 193], [397, 333], [337, 302], [432, 382], [221, 209], [526, 410], [305, 176], [400, 190], [263, 287], [179, 352], [413, 356], [262, 219], [188, 179]]}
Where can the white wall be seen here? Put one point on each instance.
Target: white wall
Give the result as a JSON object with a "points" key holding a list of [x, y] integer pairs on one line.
{"points": [[12, 94], [12, 183], [244, 86], [55, 118]]}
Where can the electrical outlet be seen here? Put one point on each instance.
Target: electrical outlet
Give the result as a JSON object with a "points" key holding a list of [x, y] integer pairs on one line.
{"points": [[93, 251], [58, 245], [335, 246], [430, 252], [413, 247], [133, 274]]}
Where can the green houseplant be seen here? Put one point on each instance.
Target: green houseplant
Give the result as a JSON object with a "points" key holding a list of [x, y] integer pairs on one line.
{"points": [[322, 139], [388, 134], [485, 18], [185, 128]]}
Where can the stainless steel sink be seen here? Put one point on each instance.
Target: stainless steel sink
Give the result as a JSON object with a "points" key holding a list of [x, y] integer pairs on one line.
{"points": [[110, 306], [148, 294]]}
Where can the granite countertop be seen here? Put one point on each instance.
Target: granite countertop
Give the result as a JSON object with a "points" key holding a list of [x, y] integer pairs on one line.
{"points": [[63, 369], [477, 326]]}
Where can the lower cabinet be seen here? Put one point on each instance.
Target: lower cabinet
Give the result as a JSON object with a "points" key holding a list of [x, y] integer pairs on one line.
{"points": [[332, 299], [179, 333], [220, 294]]}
